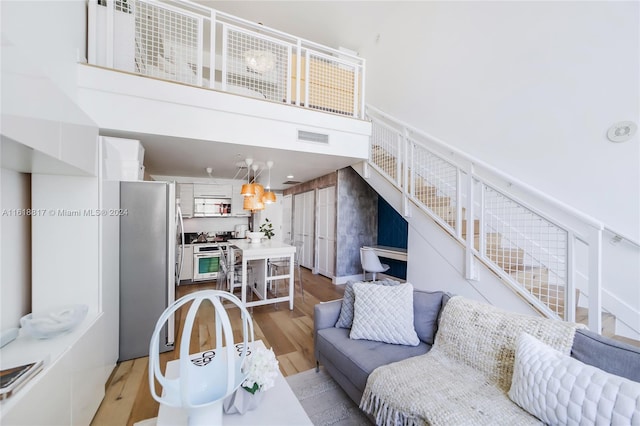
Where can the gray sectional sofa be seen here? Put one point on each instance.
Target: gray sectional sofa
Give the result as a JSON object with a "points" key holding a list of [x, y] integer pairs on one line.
{"points": [[350, 362]]}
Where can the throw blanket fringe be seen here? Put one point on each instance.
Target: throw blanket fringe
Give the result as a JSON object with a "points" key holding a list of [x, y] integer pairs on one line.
{"points": [[385, 414]]}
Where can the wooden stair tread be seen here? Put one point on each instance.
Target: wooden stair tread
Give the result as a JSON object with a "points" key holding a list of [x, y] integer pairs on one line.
{"points": [[626, 340], [608, 321]]}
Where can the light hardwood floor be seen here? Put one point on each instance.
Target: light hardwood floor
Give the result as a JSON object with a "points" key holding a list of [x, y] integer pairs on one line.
{"points": [[288, 333]]}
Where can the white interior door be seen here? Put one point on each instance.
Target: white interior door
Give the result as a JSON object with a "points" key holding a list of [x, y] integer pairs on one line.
{"points": [[308, 230], [298, 216], [304, 224], [326, 230], [287, 211]]}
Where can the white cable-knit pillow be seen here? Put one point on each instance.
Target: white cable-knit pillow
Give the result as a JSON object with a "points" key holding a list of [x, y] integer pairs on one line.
{"points": [[384, 314], [559, 389]]}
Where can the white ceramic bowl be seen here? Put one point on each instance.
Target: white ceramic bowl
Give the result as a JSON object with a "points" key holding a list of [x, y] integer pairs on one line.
{"points": [[54, 322], [255, 237]]}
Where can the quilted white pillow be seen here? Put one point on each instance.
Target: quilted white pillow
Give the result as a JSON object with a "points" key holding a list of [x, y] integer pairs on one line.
{"points": [[559, 389], [384, 314]]}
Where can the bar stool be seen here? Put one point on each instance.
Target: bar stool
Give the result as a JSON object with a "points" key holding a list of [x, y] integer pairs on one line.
{"points": [[277, 265]]}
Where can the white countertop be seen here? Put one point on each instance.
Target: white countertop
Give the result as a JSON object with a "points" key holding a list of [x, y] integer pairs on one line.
{"points": [[265, 247]]}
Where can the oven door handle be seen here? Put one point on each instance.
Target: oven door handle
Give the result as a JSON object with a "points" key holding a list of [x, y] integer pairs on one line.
{"points": [[207, 254]]}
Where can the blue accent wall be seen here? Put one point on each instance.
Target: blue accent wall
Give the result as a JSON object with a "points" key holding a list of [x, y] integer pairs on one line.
{"points": [[393, 230]]}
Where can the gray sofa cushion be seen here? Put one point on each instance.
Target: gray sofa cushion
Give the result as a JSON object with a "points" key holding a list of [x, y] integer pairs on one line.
{"points": [[361, 357], [607, 354], [345, 320], [426, 310]]}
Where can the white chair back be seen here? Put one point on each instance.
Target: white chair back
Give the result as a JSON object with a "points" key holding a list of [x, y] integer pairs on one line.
{"points": [[371, 262], [202, 385]]}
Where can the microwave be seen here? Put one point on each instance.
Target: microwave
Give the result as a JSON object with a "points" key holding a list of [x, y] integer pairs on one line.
{"points": [[211, 207]]}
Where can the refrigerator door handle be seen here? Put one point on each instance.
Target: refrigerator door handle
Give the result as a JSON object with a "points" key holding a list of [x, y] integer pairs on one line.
{"points": [[181, 222]]}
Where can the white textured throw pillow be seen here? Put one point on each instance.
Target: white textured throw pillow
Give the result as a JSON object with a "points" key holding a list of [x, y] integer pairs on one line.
{"points": [[384, 314], [559, 389]]}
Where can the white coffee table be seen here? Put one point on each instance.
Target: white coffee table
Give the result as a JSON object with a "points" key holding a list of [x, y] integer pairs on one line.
{"points": [[279, 406]]}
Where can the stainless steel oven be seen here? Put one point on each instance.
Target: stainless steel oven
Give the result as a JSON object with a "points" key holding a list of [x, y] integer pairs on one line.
{"points": [[206, 261]]}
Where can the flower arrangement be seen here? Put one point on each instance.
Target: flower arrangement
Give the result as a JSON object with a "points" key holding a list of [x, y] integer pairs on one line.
{"points": [[267, 228], [261, 368]]}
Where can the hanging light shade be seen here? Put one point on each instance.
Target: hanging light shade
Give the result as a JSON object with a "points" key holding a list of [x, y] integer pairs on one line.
{"points": [[248, 203], [254, 202], [269, 197], [258, 203], [248, 190]]}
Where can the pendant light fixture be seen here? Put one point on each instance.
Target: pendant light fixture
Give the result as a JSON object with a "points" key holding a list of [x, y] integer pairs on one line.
{"points": [[254, 201], [269, 196], [254, 193], [247, 189]]}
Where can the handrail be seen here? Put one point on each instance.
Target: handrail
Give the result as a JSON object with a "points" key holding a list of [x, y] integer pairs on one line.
{"points": [[510, 179], [263, 28], [622, 236]]}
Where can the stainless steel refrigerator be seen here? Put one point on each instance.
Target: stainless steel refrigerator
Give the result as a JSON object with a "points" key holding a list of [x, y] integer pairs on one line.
{"points": [[149, 224]]}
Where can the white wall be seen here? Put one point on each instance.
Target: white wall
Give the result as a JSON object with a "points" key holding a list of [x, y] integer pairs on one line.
{"points": [[273, 212], [53, 31], [530, 87], [15, 256]]}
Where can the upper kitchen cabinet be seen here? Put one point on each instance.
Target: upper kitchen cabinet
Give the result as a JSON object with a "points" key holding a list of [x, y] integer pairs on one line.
{"points": [[123, 159], [203, 190], [185, 192]]}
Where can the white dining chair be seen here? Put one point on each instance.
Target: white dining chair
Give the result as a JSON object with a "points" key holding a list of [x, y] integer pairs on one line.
{"points": [[371, 263]]}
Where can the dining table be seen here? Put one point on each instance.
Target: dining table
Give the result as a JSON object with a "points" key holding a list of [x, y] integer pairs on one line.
{"points": [[262, 280]]}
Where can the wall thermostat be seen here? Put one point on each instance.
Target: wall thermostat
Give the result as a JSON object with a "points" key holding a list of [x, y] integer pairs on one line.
{"points": [[622, 131]]}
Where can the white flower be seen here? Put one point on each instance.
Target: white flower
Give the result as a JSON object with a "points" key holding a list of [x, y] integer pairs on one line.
{"points": [[261, 368]]}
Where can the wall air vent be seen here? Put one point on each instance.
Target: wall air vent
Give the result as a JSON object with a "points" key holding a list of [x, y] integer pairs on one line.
{"points": [[306, 136]]}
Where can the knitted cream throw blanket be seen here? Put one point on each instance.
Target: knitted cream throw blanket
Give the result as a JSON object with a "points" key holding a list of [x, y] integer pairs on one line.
{"points": [[465, 377]]}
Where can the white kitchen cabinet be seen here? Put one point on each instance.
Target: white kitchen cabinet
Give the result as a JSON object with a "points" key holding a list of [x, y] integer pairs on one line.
{"points": [[187, 264], [326, 228], [237, 203], [185, 193], [212, 190]]}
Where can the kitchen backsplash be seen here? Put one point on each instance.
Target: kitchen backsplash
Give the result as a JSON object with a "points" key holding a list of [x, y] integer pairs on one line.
{"points": [[213, 225]]}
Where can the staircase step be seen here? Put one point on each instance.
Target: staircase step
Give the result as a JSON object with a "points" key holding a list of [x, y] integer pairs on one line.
{"points": [[532, 276], [476, 225], [423, 190], [507, 258], [608, 321], [493, 239], [626, 340], [434, 202]]}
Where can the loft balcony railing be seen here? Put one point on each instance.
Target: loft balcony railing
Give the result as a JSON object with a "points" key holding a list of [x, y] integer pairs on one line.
{"points": [[189, 43], [549, 253]]}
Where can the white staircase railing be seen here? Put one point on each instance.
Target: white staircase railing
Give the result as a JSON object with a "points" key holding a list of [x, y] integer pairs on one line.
{"points": [[186, 42], [524, 236]]}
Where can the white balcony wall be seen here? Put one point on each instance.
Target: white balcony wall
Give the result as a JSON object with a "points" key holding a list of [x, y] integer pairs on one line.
{"points": [[131, 103]]}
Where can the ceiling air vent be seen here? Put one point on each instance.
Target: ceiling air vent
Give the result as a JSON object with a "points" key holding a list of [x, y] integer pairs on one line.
{"points": [[291, 182], [305, 136]]}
